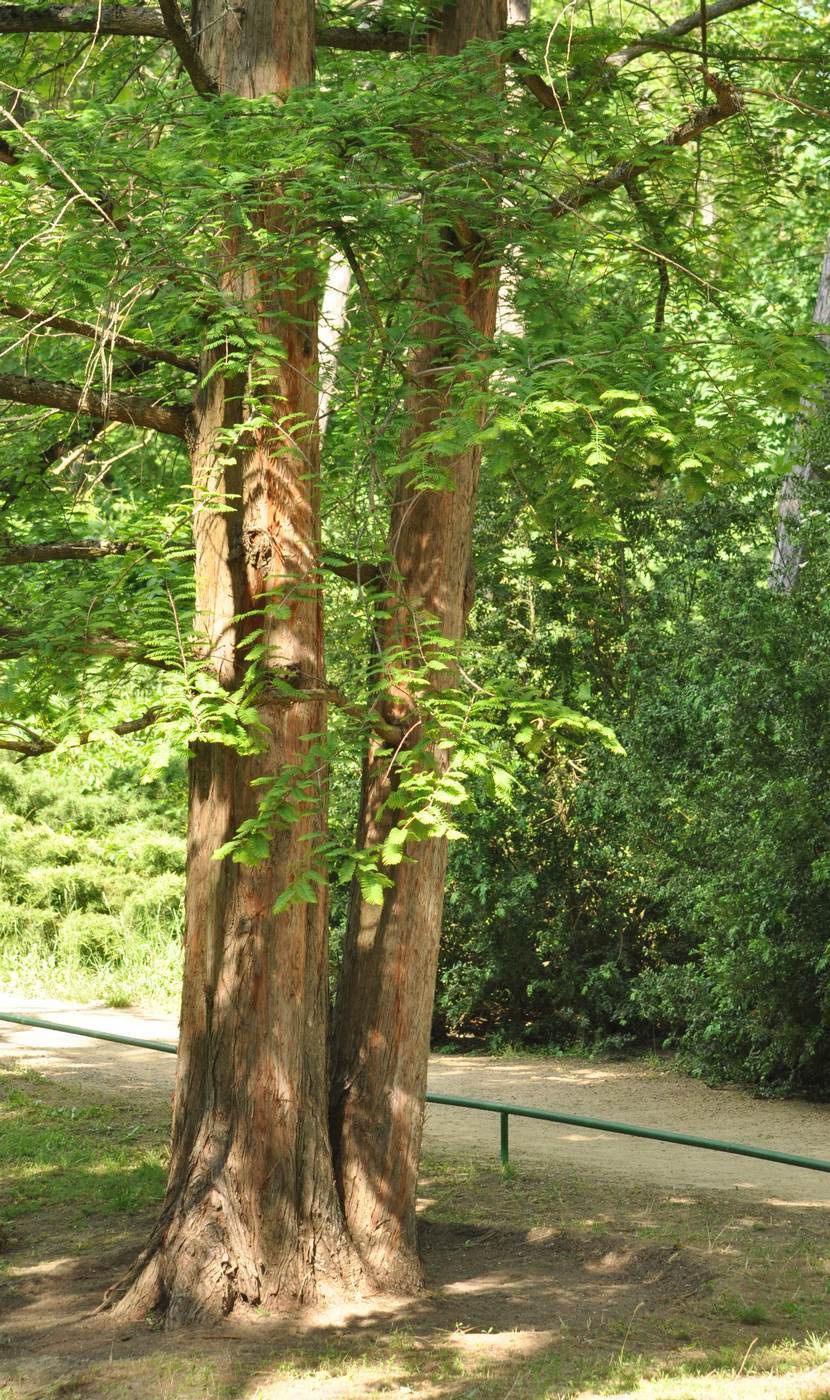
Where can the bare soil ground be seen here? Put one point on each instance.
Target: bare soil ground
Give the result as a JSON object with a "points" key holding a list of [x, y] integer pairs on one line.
{"points": [[601, 1267]]}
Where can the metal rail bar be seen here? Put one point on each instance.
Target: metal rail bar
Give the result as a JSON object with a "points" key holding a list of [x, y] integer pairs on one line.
{"points": [[504, 1110], [163, 1045]]}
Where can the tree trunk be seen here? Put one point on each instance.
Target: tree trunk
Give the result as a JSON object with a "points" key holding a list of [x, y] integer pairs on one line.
{"points": [[387, 983], [788, 554], [251, 1213]]}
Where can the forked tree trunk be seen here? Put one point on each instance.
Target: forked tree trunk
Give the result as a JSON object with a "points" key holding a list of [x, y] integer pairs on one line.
{"points": [[251, 1213], [387, 984], [788, 554]]}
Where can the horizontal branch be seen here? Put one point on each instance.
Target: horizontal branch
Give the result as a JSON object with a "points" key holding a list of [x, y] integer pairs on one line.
{"points": [[73, 398], [367, 40], [63, 549], [105, 644], [354, 571], [365, 715], [35, 747], [727, 105], [16, 643], [142, 21], [49, 320], [145, 21]]}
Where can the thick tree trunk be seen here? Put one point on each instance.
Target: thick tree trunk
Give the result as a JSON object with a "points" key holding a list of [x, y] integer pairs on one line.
{"points": [[251, 1212], [387, 983], [788, 554]]}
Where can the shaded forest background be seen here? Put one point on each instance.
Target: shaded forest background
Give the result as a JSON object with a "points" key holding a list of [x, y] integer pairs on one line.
{"points": [[676, 896]]}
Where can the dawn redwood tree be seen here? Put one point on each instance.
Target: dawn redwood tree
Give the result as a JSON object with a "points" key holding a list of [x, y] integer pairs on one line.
{"points": [[383, 1012], [266, 1203], [251, 1209]]}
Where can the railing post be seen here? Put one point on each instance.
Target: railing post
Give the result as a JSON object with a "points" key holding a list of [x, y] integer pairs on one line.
{"points": [[505, 1140]]}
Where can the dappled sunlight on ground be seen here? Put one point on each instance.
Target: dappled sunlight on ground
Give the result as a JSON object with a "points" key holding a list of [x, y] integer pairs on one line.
{"points": [[578, 1274]]}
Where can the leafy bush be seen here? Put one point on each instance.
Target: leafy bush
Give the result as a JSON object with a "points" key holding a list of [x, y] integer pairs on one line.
{"points": [[91, 882]]}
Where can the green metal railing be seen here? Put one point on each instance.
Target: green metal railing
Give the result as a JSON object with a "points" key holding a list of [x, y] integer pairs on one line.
{"points": [[506, 1111]]}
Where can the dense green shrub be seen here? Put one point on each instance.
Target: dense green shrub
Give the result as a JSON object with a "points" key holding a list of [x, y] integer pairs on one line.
{"points": [[91, 882], [679, 895]]}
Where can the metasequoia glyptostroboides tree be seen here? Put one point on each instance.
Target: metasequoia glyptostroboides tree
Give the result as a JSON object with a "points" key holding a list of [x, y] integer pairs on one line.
{"points": [[261, 1206], [251, 1210], [387, 984]]}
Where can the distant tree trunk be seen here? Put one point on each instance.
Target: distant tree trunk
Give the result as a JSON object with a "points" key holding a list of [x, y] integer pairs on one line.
{"points": [[251, 1213], [788, 554], [333, 312], [387, 984]]}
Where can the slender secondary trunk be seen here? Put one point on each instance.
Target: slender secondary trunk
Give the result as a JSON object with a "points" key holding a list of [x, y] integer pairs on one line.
{"points": [[788, 554], [251, 1213], [387, 984]]}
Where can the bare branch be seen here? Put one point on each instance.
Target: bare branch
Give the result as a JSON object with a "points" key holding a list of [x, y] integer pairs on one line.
{"points": [[661, 38], [145, 21], [365, 715], [64, 549], [49, 320], [73, 398], [203, 83], [646, 43], [35, 747], [105, 644], [727, 105]]}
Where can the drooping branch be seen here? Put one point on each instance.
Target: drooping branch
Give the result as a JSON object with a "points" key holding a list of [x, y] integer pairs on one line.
{"points": [[48, 320], [63, 549], [73, 398], [203, 83], [36, 747], [728, 105]]}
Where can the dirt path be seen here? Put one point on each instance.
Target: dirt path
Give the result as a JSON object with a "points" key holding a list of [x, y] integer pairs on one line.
{"points": [[620, 1090]]}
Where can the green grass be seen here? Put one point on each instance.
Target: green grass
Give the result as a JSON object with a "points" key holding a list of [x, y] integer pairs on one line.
{"points": [[73, 1159]]}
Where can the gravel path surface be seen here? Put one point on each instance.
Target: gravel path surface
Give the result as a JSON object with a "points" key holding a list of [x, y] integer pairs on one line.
{"points": [[625, 1091]]}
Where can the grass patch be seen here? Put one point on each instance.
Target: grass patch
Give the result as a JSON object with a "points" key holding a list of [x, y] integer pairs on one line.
{"points": [[73, 1159]]}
